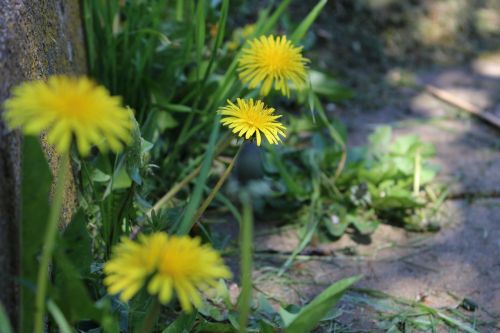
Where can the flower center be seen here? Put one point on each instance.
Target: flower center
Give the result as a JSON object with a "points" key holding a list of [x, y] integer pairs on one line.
{"points": [[275, 60]]}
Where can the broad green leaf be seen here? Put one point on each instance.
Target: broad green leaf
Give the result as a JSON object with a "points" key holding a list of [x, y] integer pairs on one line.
{"points": [[121, 180], [36, 180], [78, 244], [380, 140], [427, 175], [71, 293], [327, 86], [405, 145], [335, 220], [209, 327], [287, 316], [266, 327], [183, 324], [99, 177], [405, 164], [166, 121], [310, 315], [364, 225], [72, 297]]}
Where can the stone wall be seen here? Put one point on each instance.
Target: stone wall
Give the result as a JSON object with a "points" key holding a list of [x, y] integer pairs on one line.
{"points": [[38, 38]]}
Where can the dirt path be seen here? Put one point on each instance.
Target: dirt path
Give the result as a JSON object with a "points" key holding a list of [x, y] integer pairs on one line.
{"points": [[460, 261]]}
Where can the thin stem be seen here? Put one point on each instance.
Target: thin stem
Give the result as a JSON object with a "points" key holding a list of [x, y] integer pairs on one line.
{"points": [[418, 171], [183, 183], [246, 236], [151, 317], [49, 242], [217, 186], [174, 190]]}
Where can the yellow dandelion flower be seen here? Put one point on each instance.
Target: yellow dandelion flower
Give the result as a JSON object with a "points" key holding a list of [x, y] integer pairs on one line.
{"points": [[187, 266], [170, 263], [248, 30], [69, 107], [249, 118], [132, 264], [269, 60]]}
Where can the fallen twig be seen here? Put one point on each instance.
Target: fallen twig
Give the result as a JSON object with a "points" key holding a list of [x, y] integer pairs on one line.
{"points": [[452, 99]]}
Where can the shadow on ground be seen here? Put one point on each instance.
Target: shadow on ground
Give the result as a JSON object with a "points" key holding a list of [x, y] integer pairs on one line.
{"points": [[441, 269]]}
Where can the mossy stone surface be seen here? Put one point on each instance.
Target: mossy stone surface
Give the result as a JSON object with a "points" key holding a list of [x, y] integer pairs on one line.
{"points": [[37, 39]]}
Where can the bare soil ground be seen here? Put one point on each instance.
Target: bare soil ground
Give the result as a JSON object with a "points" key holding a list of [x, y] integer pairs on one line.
{"points": [[439, 269]]}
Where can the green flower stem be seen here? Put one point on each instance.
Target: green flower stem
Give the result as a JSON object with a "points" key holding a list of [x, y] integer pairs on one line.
{"points": [[418, 171], [49, 242], [151, 317], [246, 237], [217, 186]]}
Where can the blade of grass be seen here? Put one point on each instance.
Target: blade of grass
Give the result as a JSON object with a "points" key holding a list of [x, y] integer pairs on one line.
{"points": [[448, 319], [263, 26], [311, 228], [187, 218], [217, 187], [246, 237], [271, 22], [4, 321], [418, 171], [290, 183], [179, 10], [335, 135], [58, 316], [306, 23], [200, 35], [218, 38]]}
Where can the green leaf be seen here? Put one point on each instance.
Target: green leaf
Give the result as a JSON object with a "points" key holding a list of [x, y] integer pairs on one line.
{"points": [[405, 145], [183, 324], [310, 315], [265, 327], [121, 179], [335, 220], [199, 35], [287, 317], [4, 321], [78, 244], [166, 121], [405, 164], [35, 189], [306, 23], [207, 327], [73, 299], [327, 86], [380, 140], [364, 225], [99, 177], [246, 250], [187, 219], [293, 187], [58, 316], [269, 22], [427, 175]]}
